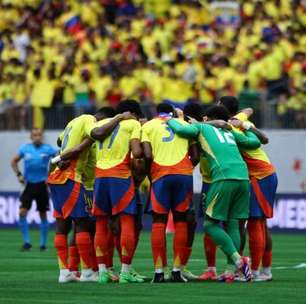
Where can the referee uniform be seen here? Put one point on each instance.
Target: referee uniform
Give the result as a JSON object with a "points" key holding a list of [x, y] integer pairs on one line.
{"points": [[36, 159]]}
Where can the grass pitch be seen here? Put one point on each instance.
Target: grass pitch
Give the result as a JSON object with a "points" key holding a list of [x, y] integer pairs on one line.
{"points": [[31, 277]]}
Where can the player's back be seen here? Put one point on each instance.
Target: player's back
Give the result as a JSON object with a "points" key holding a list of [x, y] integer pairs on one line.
{"points": [[222, 153], [113, 153], [170, 151], [72, 136], [257, 160]]}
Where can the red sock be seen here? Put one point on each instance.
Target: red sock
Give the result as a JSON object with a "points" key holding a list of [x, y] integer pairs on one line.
{"points": [[111, 247], [186, 255], [267, 256], [179, 243], [101, 244], [137, 233], [61, 246], [210, 250], [158, 244], [118, 245], [257, 241], [127, 239], [74, 258], [83, 243]]}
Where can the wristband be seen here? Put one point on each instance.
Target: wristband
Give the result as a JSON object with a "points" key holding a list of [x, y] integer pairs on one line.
{"points": [[56, 159], [246, 125]]}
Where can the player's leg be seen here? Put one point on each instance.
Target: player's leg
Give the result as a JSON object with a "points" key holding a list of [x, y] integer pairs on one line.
{"points": [[181, 200], [42, 201], [102, 212], [138, 228], [242, 229], [74, 257], [210, 248], [228, 200], [123, 200], [26, 202], [261, 207], [267, 256], [159, 245], [160, 203], [63, 226], [191, 228], [92, 232], [84, 245]]}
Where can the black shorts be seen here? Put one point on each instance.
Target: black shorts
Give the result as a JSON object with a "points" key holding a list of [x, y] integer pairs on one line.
{"points": [[37, 192]]}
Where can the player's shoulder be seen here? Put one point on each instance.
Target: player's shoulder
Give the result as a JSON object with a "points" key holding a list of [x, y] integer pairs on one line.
{"points": [[81, 119], [150, 123], [130, 123]]}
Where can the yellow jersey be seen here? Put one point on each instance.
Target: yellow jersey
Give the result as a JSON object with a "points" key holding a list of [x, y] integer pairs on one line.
{"points": [[88, 177], [258, 163], [72, 136], [170, 151], [113, 153]]}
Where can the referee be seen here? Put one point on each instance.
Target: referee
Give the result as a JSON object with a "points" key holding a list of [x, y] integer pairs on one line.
{"points": [[36, 156]]}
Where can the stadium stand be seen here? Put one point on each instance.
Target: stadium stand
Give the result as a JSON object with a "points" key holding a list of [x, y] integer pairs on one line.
{"points": [[61, 58]]}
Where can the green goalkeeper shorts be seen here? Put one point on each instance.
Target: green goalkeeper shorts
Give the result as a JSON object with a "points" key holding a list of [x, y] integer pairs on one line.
{"points": [[228, 199]]}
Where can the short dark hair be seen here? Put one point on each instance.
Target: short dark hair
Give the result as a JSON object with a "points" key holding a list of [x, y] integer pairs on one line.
{"points": [[106, 112], [129, 105], [194, 110], [164, 108], [217, 112], [231, 103]]}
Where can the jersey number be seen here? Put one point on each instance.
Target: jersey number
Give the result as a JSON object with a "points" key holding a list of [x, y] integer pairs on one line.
{"points": [[227, 137], [171, 135], [65, 138], [113, 136]]}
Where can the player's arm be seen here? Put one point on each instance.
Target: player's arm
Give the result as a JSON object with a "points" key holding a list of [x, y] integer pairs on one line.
{"points": [[139, 170], [261, 135], [248, 112], [74, 152], [14, 165], [245, 125], [246, 140], [194, 154], [187, 131], [100, 133]]}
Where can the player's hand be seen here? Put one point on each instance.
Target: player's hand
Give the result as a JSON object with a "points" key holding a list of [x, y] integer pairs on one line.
{"points": [[191, 120], [179, 113], [20, 178], [236, 123], [126, 116], [63, 164]]}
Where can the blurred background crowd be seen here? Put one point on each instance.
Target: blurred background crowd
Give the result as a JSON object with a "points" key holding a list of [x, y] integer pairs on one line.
{"points": [[61, 58]]}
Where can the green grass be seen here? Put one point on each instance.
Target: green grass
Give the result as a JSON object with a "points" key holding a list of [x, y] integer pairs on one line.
{"points": [[31, 277]]}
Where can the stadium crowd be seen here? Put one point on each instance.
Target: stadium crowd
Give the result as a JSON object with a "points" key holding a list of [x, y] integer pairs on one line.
{"points": [[90, 53]]}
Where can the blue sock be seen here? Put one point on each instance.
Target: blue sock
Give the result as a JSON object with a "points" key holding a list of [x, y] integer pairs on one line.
{"points": [[44, 225], [24, 227]]}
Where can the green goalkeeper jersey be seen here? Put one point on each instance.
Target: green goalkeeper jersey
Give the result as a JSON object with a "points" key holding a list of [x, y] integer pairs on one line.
{"points": [[220, 148]]}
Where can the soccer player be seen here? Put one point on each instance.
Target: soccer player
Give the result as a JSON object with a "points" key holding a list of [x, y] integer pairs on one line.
{"points": [[228, 195], [195, 111], [36, 156], [114, 189], [88, 178], [171, 189], [67, 193], [263, 189]]}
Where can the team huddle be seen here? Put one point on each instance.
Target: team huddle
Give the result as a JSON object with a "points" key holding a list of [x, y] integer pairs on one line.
{"points": [[104, 159]]}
